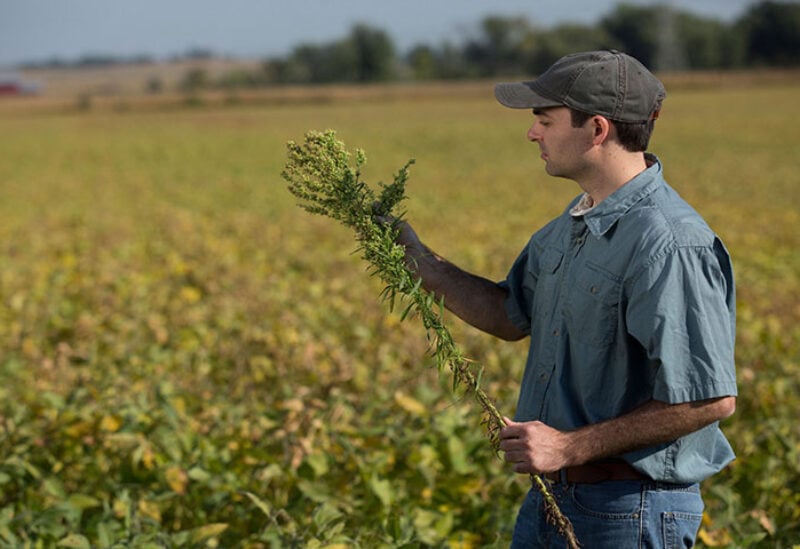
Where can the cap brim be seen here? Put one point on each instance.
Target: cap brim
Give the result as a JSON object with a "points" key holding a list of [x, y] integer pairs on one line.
{"points": [[519, 95]]}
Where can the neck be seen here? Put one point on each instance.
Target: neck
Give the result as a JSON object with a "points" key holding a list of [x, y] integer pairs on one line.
{"points": [[611, 174]]}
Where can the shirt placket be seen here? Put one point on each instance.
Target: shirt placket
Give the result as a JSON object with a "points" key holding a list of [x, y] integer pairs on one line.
{"points": [[548, 368], [548, 364]]}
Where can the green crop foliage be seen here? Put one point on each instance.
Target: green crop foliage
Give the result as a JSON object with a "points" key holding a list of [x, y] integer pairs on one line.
{"points": [[189, 360]]}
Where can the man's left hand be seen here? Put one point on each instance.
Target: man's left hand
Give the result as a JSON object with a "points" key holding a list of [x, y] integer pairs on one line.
{"points": [[533, 447]]}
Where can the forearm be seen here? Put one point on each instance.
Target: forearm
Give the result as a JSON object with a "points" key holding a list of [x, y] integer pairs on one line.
{"points": [[476, 300], [652, 424]]}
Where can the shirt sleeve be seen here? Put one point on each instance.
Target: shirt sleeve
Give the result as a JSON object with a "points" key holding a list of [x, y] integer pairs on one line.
{"points": [[682, 311]]}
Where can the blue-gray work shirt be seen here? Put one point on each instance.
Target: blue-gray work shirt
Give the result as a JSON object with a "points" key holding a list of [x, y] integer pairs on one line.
{"points": [[630, 302]]}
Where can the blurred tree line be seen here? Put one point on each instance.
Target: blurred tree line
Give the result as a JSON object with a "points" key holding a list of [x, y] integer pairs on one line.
{"points": [[662, 37]]}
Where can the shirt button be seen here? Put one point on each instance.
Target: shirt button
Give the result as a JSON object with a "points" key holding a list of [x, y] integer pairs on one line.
{"points": [[593, 289], [556, 333]]}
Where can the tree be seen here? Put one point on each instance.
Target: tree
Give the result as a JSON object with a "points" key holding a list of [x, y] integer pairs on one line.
{"points": [[194, 80], [547, 46], [445, 62], [366, 55], [773, 33], [658, 35], [634, 28], [374, 54], [707, 43], [451, 63], [664, 38], [499, 48], [422, 60], [315, 64]]}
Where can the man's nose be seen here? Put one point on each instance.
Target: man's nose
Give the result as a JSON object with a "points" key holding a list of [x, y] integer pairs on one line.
{"points": [[533, 135]]}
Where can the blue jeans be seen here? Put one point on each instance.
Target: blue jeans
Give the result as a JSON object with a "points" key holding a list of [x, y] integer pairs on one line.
{"points": [[615, 515]]}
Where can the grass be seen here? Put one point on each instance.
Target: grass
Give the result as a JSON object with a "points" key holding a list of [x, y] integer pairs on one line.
{"points": [[189, 359]]}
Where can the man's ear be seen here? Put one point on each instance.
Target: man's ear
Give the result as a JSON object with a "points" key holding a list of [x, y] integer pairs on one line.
{"points": [[601, 127]]}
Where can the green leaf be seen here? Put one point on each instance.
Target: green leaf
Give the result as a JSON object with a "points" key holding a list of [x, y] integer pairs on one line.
{"points": [[319, 463], [265, 507], [314, 491], [428, 526], [198, 474], [382, 488], [76, 541], [17, 462], [206, 532], [83, 501], [326, 514], [457, 453], [54, 487], [407, 311]]}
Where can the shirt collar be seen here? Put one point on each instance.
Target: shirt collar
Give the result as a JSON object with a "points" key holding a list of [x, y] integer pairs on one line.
{"points": [[603, 216]]}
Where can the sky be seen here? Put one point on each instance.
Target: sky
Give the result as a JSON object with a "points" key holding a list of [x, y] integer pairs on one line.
{"points": [[40, 30]]}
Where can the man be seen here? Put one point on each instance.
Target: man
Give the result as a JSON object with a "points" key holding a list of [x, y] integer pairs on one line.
{"points": [[628, 300]]}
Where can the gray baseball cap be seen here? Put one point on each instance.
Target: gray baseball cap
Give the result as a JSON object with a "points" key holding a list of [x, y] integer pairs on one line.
{"points": [[608, 83]]}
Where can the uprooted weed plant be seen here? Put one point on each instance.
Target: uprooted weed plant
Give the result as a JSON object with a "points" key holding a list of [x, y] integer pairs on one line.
{"points": [[320, 174]]}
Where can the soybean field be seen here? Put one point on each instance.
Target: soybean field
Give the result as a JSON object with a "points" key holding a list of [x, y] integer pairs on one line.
{"points": [[188, 359]]}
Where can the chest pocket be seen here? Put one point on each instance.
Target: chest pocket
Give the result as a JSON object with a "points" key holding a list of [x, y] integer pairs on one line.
{"points": [[593, 307], [546, 285], [550, 261]]}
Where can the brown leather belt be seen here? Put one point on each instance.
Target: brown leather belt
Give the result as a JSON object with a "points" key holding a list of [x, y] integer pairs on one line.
{"points": [[597, 471]]}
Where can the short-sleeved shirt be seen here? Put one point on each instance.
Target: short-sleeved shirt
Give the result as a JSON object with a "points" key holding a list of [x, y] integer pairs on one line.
{"points": [[631, 301]]}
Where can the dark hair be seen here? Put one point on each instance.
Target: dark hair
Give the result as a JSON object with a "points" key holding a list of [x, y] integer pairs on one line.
{"points": [[633, 136]]}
